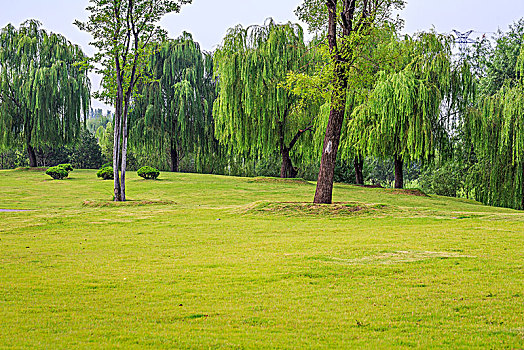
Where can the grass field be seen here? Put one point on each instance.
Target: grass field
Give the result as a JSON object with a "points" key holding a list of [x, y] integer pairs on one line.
{"points": [[200, 261]]}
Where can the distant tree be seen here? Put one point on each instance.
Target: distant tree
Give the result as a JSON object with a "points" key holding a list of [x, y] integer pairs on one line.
{"points": [[87, 154], [44, 92], [254, 114], [402, 116], [123, 32], [105, 137], [174, 110], [497, 128]]}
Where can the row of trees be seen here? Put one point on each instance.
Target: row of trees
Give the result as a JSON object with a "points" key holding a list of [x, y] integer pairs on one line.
{"points": [[358, 90]]}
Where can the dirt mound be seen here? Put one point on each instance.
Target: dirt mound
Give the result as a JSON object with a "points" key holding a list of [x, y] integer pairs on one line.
{"points": [[300, 208], [408, 192], [128, 203], [280, 180]]}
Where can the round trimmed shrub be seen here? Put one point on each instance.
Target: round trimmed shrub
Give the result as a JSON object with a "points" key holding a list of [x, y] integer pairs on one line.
{"points": [[148, 172], [57, 172], [106, 173], [67, 166]]}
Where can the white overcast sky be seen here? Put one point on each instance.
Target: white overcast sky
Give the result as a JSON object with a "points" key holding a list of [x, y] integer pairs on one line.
{"points": [[208, 20]]}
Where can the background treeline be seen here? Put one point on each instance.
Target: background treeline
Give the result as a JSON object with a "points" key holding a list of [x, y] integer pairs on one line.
{"points": [[418, 113]]}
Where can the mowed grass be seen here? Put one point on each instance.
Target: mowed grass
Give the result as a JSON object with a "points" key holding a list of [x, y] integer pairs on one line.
{"points": [[201, 261]]}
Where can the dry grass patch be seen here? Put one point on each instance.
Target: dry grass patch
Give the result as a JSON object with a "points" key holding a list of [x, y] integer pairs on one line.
{"points": [[301, 208], [397, 257], [128, 203], [262, 179]]}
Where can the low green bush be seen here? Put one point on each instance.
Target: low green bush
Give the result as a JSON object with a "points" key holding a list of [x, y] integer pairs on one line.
{"points": [[106, 173], [57, 172], [148, 172], [67, 166]]}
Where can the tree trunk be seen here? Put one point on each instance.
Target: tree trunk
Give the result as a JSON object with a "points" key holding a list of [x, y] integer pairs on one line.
{"points": [[116, 144], [399, 174], [174, 159], [32, 156], [359, 165], [287, 170], [324, 191], [124, 153]]}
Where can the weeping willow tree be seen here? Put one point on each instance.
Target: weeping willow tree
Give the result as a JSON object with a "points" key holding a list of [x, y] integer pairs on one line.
{"points": [[401, 118], [254, 115], [174, 110], [497, 128], [43, 91]]}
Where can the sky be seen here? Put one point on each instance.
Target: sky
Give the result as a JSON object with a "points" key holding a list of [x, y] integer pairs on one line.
{"points": [[208, 20]]}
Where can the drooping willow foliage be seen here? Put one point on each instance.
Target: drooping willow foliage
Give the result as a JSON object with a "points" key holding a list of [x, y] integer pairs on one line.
{"points": [[255, 116], [497, 128], [174, 110], [401, 118], [43, 92]]}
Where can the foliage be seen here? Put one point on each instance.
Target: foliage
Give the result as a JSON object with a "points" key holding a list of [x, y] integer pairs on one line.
{"points": [[174, 110], [402, 116], [124, 33], [13, 158], [67, 167], [448, 179], [148, 172], [255, 116], [87, 153], [57, 172], [106, 173], [43, 90]]}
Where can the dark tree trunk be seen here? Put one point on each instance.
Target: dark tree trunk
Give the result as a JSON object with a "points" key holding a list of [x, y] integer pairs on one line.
{"points": [[399, 174], [359, 175], [287, 170], [174, 159], [32, 156], [324, 191]]}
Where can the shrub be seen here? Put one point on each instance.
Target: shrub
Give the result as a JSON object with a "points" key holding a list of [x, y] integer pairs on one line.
{"points": [[57, 172], [106, 173], [148, 172], [67, 167]]}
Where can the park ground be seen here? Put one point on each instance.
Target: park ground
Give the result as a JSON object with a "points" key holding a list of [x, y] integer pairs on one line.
{"points": [[202, 261]]}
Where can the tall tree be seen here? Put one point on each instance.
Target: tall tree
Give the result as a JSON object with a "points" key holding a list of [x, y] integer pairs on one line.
{"points": [[44, 92], [401, 118], [174, 111], [254, 114], [123, 32], [349, 24], [497, 127]]}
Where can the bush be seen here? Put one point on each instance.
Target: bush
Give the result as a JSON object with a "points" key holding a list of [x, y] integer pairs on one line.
{"points": [[106, 173], [57, 172], [148, 172], [446, 180], [67, 167]]}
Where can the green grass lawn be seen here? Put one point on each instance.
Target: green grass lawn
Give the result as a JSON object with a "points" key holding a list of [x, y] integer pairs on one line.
{"points": [[201, 261]]}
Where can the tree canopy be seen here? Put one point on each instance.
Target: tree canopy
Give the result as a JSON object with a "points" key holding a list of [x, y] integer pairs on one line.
{"points": [[254, 114], [174, 110], [44, 91]]}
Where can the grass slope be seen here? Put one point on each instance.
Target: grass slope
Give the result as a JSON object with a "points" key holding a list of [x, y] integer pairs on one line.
{"points": [[200, 261]]}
